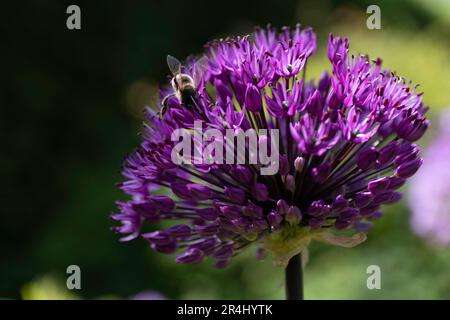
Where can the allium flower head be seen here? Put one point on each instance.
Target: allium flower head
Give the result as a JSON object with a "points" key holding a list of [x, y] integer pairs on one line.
{"points": [[429, 193], [346, 143]]}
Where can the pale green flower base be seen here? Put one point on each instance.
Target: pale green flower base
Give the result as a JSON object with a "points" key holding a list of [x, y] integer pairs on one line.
{"points": [[292, 240]]}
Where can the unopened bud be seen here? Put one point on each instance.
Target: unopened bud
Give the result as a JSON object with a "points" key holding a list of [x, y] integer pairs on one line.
{"points": [[299, 163], [289, 182], [282, 207], [293, 216]]}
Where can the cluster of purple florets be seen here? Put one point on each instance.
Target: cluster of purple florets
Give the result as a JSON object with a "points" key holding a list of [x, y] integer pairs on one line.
{"points": [[346, 145]]}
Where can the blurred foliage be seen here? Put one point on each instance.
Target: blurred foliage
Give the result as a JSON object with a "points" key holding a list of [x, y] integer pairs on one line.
{"points": [[47, 287], [71, 109]]}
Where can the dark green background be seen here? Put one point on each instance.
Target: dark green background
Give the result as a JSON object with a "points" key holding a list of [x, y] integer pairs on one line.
{"points": [[70, 103]]}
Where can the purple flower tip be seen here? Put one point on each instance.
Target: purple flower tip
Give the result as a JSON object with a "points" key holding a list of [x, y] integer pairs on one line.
{"points": [[274, 218], [293, 215], [192, 256]]}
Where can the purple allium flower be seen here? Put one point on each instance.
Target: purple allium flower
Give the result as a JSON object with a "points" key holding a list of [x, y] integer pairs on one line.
{"points": [[346, 143], [429, 192]]}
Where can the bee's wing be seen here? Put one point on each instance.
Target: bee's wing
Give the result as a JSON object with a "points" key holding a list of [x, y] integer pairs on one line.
{"points": [[199, 71], [174, 65]]}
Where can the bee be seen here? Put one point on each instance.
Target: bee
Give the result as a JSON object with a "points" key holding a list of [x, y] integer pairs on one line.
{"points": [[184, 86]]}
